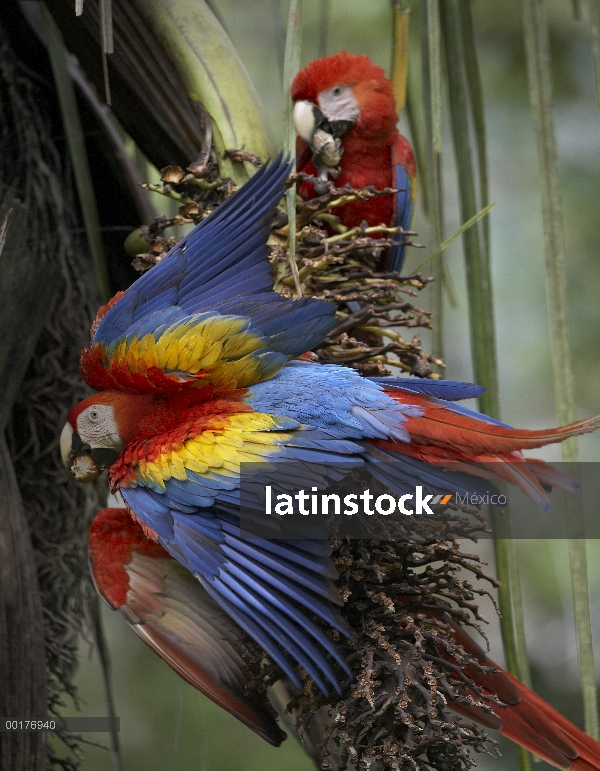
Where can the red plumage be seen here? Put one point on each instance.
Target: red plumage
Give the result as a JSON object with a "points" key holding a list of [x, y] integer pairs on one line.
{"points": [[114, 536], [463, 435], [118, 547], [446, 437], [526, 718], [171, 612], [180, 608], [371, 147]]}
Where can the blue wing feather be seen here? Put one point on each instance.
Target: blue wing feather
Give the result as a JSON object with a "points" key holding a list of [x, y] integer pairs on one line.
{"points": [[255, 630], [279, 630], [450, 390], [223, 263], [255, 575], [404, 213], [299, 552], [400, 474], [328, 408], [282, 603]]}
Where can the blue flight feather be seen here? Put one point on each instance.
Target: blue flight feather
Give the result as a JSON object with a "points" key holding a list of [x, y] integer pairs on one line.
{"points": [[404, 214], [255, 630], [450, 390], [272, 622], [221, 259]]}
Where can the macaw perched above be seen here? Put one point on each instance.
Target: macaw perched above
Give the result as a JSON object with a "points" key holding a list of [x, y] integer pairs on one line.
{"points": [[345, 116], [195, 371]]}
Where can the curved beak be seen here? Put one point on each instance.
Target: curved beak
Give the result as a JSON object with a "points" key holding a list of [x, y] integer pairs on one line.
{"points": [[66, 443], [83, 462], [308, 119]]}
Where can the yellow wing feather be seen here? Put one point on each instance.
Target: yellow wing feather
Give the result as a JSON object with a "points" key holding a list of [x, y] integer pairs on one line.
{"points": [[247, 437], [216, 350]]}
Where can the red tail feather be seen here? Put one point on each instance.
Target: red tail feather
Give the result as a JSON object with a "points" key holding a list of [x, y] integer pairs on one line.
{"points": [[528, 475], [469, 436], [527, 719]]}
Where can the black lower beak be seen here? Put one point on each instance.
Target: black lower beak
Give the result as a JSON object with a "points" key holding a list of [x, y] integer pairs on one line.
{"points": [[77, 448], [104, 457], [337, 128]]}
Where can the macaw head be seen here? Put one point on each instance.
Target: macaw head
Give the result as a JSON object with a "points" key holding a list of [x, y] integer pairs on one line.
{"points": [[342, 93], [97, 430]]}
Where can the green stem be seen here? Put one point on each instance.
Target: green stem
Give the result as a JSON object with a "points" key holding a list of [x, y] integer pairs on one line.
{"points": [[540, 86], [477, 109], [537, 46], [291, 65], [167, 192], [106, 667], [432, 89], [479, 283], [414, 117], [594, 6], [76, 144], [399, 69], [464, 227], [324, 16], [509, 597], [585, 649], [522, 661], [481, 317], [432, 62]]}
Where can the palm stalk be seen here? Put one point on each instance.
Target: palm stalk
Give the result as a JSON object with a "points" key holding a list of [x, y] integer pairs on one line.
{"points": [[432, 87], [511, 611], [95, 611], [479, 285], [477, 110], [72, 123], [107, 42], [594, 7], [291, 65], [324, 15], [415, 124], [537, 47], [400, 26], [464, 102], [213, 74]]}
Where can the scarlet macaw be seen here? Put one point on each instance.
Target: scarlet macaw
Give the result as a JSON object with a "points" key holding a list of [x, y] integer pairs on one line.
{"points": [[195, 371], [345, 115]]}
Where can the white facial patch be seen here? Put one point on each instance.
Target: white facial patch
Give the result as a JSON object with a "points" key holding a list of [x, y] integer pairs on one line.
{"points": [[338, 103], [97, 426]]}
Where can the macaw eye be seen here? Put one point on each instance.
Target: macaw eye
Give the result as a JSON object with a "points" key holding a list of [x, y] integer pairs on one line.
{"points": [[94, 415], [336, 91]]}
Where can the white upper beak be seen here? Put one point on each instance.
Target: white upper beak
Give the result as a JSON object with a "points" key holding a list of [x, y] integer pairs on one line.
{"points": [[304, 120], [66, 439]]}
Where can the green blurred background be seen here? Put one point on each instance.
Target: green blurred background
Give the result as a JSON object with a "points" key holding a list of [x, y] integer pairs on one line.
{"points": [[165, 724]]}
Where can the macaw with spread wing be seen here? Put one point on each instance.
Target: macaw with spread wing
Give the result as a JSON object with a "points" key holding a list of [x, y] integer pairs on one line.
{"points": [[196, 371], [345, 115]]}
